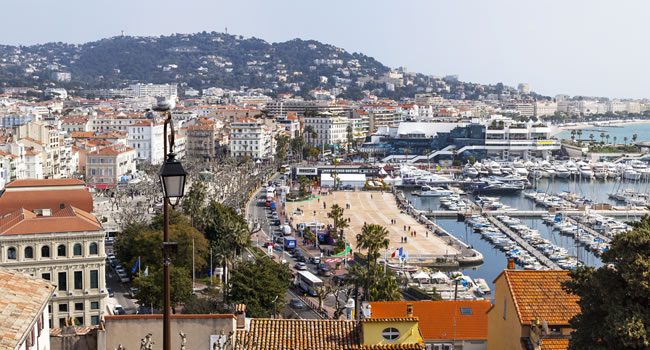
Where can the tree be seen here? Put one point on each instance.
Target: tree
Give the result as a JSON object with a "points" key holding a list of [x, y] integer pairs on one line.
{"points": [[373, 237], [194, 200], [350, 136], [339, 222], [634, 137], [625, 140], [281, 147], [602, 137], [364, 155], [257, 284], [579, 134], [199, 305], [615, 140], [308, 130], [150, 287], [297, 145], [607, 137], [591, 137], [614, 298], [376, 285], [573, 135]]}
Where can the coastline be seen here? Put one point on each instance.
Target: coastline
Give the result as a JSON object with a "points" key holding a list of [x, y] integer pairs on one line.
{"points": [[593, 124]]}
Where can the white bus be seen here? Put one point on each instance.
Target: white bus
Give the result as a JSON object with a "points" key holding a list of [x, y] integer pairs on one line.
{"points": [[308, 282]]}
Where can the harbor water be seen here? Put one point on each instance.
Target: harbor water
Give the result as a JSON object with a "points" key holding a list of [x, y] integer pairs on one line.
{"points": [[495, 260], [641, 130]]}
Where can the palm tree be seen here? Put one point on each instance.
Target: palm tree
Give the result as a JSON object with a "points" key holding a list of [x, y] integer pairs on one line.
{"points": [[625, 140], [308, 130], [614, 140], [373, 237], [602, 137], [336, 214], [607, 137], [579, 134], [407, 150], [634, 137], [591, 137]]}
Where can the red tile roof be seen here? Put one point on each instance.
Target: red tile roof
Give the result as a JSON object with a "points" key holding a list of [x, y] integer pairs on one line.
{"points": [[22, 302], [280, 334], [441, 319], [113, 150], [68, 219], [555, 344], [539, 295], [44, 183]]}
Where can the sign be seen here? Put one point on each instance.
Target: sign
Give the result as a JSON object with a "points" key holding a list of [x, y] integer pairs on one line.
{"points": [[544, 142], [307, 171], [269, 250], [218, 271]]}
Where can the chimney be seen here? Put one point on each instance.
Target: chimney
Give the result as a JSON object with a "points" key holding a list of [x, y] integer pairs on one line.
{"points": [[511, 264], [409, 310], [62, 206], [240, 313]]}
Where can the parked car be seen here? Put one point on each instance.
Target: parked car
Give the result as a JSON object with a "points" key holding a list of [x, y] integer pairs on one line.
{"points": [[119, 310], [314, 260], [301, 266], [267, 244], [132, 292], [296, 303], [110, 292], [325, 272], [301, 258]]}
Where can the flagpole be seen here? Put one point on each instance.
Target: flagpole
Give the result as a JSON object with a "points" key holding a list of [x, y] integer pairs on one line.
{"points": [[211, 267], [138, 265], [192, 265]]}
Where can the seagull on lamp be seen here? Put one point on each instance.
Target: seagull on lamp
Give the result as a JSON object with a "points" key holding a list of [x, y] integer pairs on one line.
{"points": [[164, 104]]}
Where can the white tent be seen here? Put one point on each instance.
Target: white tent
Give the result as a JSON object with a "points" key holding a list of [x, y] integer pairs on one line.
{"points": [[440, 276], [421, 275], [354, 180], [382, 172]]}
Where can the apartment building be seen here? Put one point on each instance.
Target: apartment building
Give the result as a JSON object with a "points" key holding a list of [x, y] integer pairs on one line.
{"points": [[251, 137], [201, 139], [46, 231], [46, 140], [330, 130], [168, 91], [147, 138], [106, 166], [113, 122]]}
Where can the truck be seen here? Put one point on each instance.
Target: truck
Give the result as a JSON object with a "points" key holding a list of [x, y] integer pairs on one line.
{"points": [[289, 242]]}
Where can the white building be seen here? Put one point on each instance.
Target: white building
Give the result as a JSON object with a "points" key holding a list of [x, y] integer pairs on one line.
{"points": [[544, 108], [147, 138], [106, 166], [168, 91], [33, 165], [47, 231], [250, 137], [330, 130]]}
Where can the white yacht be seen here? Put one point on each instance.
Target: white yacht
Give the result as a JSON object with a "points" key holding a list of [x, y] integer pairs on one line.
{"points": [[494, 168], [520, 169], [600, 171], [470, 171], [572, 167], [428, 191], [630, 174], [562, 172], [586, 172]]}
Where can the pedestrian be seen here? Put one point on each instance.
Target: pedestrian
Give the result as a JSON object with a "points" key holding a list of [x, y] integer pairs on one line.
{"points": [[409, 228], [318, 199], [371, 196], [404, 227], [405, 240], [427, 234]]}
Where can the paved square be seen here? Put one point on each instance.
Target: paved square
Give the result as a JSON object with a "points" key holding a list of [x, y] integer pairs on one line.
{"points": [[373, 208]]}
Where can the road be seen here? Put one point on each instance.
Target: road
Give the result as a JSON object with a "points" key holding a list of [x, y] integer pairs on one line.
{"points": [[120, 291]]}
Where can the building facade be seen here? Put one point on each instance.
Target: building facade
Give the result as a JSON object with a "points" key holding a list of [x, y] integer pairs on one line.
{"points": [[106, 166], [147, 138], [330, 130], [250, 137]]}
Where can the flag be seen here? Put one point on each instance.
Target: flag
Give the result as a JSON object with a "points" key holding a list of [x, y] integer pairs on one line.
{"points": [[404, 257], [135, 267], [210, 270], [146, 271], [398, 252]]}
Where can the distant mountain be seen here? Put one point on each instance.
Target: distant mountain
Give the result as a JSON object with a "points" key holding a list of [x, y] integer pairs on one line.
{"points": [[213, 59]]}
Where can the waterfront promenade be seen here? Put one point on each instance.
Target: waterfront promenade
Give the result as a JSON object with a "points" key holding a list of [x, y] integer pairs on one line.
{"points": [[377, 208]]}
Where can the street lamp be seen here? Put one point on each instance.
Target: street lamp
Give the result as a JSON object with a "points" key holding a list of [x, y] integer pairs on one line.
{"points": [[172, 180]]}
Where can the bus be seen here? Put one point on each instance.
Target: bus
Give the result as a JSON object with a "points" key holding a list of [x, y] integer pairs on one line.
{"points": [[270, 195], [309, 283]]}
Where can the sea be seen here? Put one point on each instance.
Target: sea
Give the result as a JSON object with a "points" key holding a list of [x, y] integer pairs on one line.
{"points": [[494, 259], [641, 130]]}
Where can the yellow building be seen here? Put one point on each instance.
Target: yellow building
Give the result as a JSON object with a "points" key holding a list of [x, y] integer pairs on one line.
{"points": [[531, 311], [389, 331]]}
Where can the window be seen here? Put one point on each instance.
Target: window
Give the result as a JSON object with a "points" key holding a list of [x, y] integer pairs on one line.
{"points": [[45, 251], [11, 253], [465, 310], [29, 253], [78, 306], [46, 276], [93, 248], [94, 305], [61, 322], [79, 320], [94, 320], [390, 334], [60, 250], [78, 280], [63, 307], [504, 308], [77, 250], [63, 281], [94, 279]]}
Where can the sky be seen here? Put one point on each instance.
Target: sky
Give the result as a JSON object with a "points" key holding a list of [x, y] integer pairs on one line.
{"points": [[575, 47]]}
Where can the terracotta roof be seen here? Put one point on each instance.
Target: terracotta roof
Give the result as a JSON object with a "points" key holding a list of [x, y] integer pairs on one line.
{"points": [[82, 134], [113, 150], [289, 334], [44, 183], [57, 332], [159, 316], [246, 120], [68, 219], [539, 294], [23, 300], [555, 344], [437, 318]]}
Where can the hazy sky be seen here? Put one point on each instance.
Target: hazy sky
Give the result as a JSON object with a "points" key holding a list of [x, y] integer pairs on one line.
{"points": [[591, 47]]}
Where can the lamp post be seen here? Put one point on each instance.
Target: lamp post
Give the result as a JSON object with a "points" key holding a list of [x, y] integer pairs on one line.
{"points": [[172, 179]]}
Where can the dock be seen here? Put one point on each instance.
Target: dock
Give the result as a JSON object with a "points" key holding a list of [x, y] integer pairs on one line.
{"points": [[589, 229], [534, 213], [522, 243]]}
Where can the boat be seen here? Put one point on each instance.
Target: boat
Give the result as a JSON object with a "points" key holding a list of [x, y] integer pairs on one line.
{"points": [[404, 268], [494, 168], [586, 172], [562, 172], [519, 169], [482, 286], [470, 171], [428, 191]]}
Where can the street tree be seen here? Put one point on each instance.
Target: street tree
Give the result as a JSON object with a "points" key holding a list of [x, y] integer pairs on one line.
{"points": [[150, 287], [261, 285], [194, 201], [614, 298], [634, 137], [339, 222], [625, 140], [373, 237], [281, 147], [349, 136]]}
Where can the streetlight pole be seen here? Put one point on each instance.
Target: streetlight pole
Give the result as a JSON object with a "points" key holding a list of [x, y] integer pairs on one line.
{"points": [[167, 340]]}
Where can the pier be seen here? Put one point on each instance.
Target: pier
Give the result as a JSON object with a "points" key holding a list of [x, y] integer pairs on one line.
{"points": [[533, 213], [588, 229], [522, 243]]}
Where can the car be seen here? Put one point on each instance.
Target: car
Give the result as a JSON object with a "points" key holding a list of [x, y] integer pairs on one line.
{"points": [[132, 292], [119, 310], [296, 303], [339, 279], [322, 266], [113, 263], [301, 258], [301, 266], [110, 292], [325, 272], [286, 222], [279, 240], [314, 260], [269, 244]]}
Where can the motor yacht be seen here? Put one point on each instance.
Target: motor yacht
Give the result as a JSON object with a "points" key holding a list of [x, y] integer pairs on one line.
{"points": [[562, 172], [428, 191], [586, 172]]}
